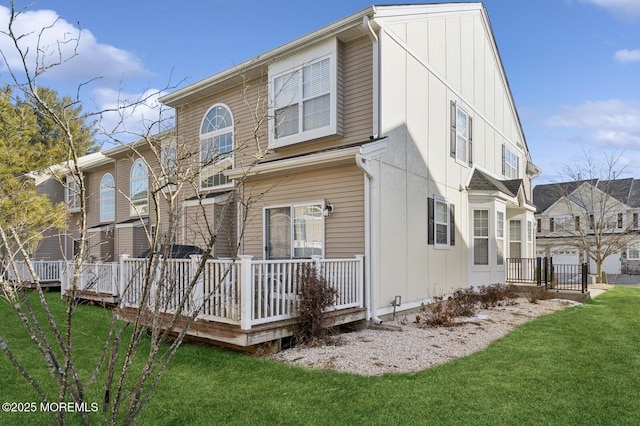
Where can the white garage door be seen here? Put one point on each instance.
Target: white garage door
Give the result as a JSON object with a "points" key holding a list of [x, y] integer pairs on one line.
{"points": [[611, 265], [565, 256]]}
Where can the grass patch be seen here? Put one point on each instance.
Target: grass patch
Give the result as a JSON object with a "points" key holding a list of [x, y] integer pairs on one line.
{"points": [[576, 366]]}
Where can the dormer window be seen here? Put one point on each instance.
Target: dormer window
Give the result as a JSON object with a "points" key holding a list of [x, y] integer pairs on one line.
{"points": [[304, 94]]}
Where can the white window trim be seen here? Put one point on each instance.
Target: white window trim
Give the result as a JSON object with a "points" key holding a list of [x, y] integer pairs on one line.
{"points": [[481, 237], [446, 202], [511, 163], [133, 209], [328, 49], [635, 248], [72, 195], [563, 223], [469, 155], [225, 163], [292, 230], [500, 240], [112, 214]]}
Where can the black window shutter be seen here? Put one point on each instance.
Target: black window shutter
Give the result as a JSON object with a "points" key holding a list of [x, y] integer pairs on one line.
{"points": [[453, 129], [470, 141], [452, 222], [503, 163], [431, 228]]}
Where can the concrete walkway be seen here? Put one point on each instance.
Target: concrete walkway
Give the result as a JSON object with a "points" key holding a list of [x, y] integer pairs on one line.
{"points": [[626, 280]]}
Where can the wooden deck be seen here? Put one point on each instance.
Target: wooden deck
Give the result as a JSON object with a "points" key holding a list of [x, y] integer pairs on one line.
{"points": [[95, 296], [264, 337]]}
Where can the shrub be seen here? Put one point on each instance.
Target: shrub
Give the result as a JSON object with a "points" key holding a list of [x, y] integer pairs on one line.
{"points": [[463, 303], [496, 295], [437, 314], [539, 294], [315, 297]]}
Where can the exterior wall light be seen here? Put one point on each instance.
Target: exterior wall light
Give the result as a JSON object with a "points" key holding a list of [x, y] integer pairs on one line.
{"points": [[328, 209]]}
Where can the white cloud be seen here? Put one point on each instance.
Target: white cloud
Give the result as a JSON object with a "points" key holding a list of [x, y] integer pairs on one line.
{"points": [[622, 9], [127, 123], [627, 55], [612, 123], [47, 38], [55, 40]]}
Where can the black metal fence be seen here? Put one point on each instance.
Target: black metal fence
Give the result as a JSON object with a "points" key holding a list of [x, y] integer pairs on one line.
{"points": [[542, 271]]}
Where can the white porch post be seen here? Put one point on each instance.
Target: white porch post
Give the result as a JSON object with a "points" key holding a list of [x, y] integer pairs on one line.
{"points": [[360, 279], [114, 279], [316, 264], [61, 266], [122, 276], [198, 289], [246, 293], [64, 279]]}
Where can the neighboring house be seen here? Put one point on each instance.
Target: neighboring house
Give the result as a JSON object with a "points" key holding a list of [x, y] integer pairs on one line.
{"points": [[391, 133], [575, 217]]}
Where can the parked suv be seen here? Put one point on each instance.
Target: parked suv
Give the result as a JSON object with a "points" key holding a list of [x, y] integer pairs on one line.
{"points": [[176, 251]]}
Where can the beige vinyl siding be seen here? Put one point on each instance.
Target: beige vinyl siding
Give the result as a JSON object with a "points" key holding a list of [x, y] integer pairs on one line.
{"points": [[342, 186], [226, 237], [218, 220], [357, 99], [124, 242], [195, 225], [51, 246], [140, 241]]}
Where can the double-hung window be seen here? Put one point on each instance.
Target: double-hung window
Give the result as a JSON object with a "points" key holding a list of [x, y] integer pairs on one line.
{"points": [[481, 237], [510, 163], [441, 217], [500, 238], [461, 135], [216, 147], [304, 93], [294, 231], [72, 195]]}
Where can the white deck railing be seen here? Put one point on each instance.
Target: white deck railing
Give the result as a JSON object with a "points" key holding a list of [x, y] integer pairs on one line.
{"points": [[94, 277], [246, 292], [46, 270]]}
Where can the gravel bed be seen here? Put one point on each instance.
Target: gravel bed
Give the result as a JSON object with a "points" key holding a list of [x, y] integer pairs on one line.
{"points": [[401, 346]]}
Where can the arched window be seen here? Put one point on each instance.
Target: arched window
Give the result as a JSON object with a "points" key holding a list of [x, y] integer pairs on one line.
{"points": [[139, 190], [107, 198], [216, 147]]}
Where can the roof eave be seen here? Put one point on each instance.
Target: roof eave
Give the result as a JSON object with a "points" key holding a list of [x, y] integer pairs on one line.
{"points": [[236, 72]]}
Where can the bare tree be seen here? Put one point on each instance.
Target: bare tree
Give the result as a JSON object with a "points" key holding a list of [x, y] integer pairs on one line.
{"points": [[591, 212], [165, 301]]}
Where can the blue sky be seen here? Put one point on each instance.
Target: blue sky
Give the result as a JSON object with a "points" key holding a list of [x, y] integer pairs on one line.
{"points": [[573, 65]]}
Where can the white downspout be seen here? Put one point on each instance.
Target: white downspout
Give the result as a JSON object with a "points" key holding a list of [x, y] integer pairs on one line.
{"points": [[371, 203], [376, 76], [371, 243]]}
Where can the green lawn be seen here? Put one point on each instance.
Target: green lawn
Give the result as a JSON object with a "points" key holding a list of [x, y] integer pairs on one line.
{"points": [[577, 366]]}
